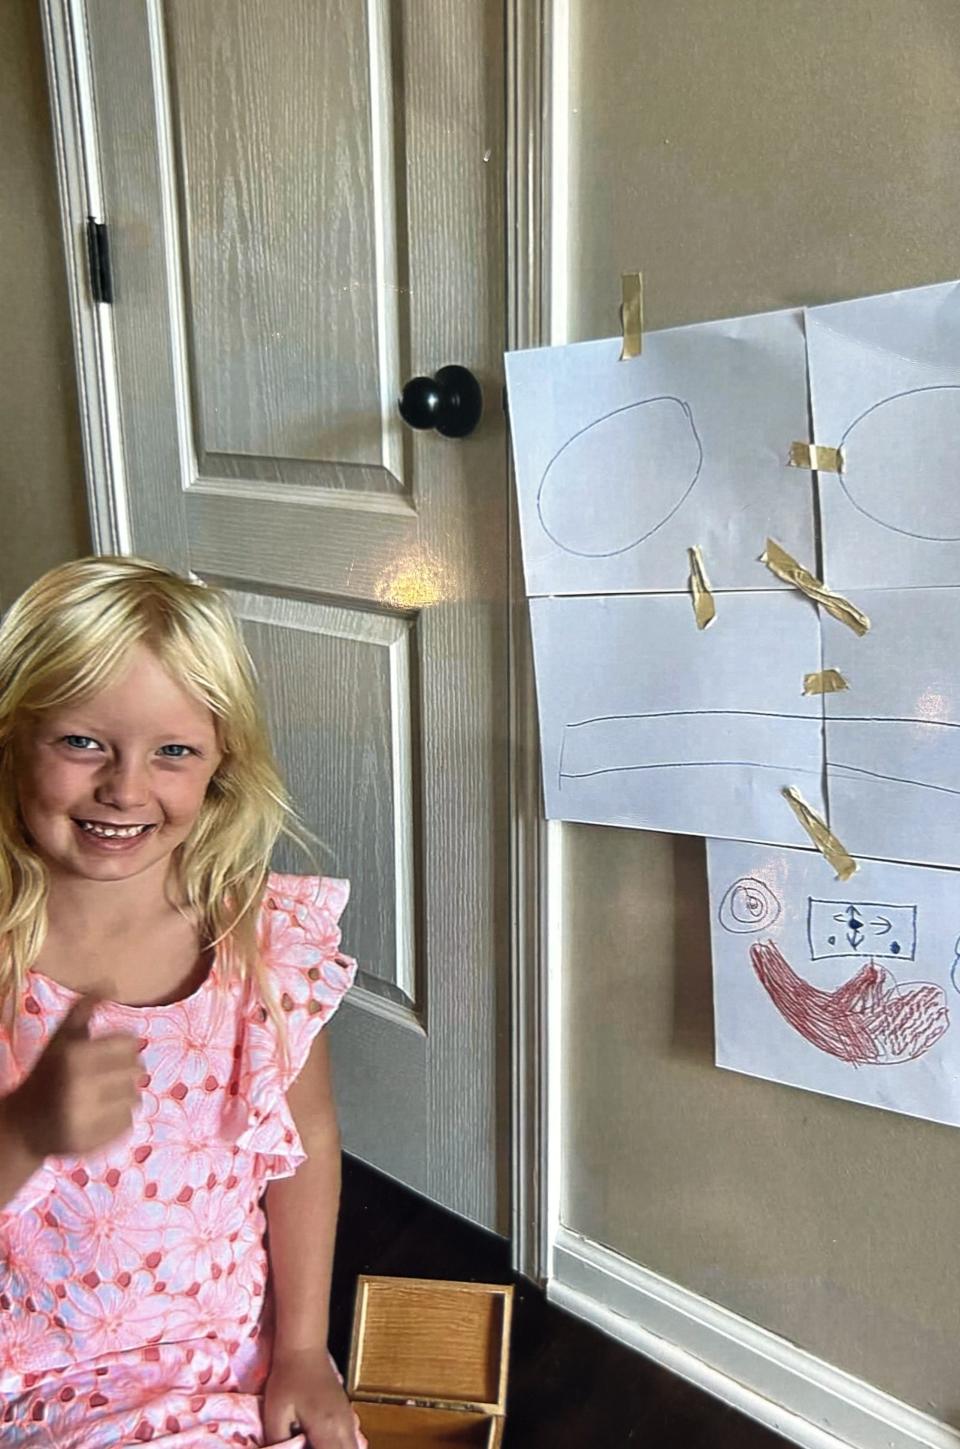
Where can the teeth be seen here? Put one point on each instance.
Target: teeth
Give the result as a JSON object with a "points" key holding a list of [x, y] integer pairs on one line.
{"points": [[110, 832]]}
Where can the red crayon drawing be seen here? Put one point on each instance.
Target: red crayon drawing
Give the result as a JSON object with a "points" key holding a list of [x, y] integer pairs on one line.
{"points": [[869, 1020]]}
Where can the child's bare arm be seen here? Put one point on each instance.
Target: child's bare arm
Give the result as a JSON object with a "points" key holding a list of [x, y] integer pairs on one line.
{"points": [[302, 1211], [302, 1221]]}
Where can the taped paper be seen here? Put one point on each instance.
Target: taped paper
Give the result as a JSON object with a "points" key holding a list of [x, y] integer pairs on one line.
{"points": [[815, 457], [821, 834], [620, 469], [648, 722], [847, 991], [631, 312], [885, 386], [779, 562], [704, 609], [892, 756], [824, 681]]}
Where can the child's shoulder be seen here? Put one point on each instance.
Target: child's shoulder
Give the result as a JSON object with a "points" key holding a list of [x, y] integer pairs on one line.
{"points": [[301, 912], [300, 947], [304, 896]]}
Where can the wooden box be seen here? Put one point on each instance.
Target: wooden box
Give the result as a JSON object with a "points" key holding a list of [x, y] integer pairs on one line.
{"points": [[428, 1362]]}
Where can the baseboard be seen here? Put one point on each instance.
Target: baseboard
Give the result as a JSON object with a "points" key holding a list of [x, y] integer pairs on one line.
{"points": [[808, 1401]]}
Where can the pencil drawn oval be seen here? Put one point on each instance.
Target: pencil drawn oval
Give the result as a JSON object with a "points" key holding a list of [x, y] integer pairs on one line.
{"points": [[748, 906], [891, 450], [621, 478]]}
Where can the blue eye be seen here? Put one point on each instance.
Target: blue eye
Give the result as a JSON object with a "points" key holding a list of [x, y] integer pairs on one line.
{"points": [[80, 742], [84, 741]]}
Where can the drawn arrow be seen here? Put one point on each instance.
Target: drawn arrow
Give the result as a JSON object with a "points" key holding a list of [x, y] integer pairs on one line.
{"points": [[854, 927]]}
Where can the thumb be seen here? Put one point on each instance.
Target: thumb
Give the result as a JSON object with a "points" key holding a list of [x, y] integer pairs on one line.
{"points": [[76, 1023], [279, 1419]]}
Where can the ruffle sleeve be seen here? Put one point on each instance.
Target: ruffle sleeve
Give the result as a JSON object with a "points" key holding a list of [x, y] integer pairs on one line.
{"points": [[309, 977]]}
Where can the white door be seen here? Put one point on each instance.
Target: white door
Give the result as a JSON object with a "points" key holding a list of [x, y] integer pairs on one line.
{"points": [[304, 207]]}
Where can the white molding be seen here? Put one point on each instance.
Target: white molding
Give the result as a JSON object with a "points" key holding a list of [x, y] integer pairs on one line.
{"points": [[75, 144], [529, 38], [808, 1401], [538, 63], [382, 126], [304, 494], [558, 274], [170, 242], [361, 999], [523, 38]]}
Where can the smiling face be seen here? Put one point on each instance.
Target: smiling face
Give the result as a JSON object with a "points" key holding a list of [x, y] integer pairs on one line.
{"points": [[110, 787]]}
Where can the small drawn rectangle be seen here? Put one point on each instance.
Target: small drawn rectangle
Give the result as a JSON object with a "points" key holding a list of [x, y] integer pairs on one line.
{"points": [[866, 929]]}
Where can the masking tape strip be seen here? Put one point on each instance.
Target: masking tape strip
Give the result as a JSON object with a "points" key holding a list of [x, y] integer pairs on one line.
{"points": [[704, 609], [779, 562], [821, 834], [815, 456], [631, 314], [825, 681]]}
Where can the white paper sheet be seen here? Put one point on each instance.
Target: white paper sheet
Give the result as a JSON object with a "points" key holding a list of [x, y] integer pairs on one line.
{"points": [[885, 386], [623, 466], [647, 721], [848, 989], [893, 738]]}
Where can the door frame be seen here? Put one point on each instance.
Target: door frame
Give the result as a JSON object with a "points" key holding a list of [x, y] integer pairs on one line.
{"points": [[536, 68]]}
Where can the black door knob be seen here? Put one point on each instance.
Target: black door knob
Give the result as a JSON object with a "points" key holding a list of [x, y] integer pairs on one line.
{"points": [[451, 402]]}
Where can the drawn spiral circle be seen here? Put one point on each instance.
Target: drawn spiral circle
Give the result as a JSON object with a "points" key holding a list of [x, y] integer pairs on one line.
{"points": [[748, 906]]}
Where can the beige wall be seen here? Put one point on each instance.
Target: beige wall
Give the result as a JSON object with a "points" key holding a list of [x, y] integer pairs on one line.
{"points": [[43, 517], [750, 154]]}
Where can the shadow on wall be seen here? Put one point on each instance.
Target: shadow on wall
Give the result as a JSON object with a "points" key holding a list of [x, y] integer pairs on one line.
{"points": [[693, 976]]}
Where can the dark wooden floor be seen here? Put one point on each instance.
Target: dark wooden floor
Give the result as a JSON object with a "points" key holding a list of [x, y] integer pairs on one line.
{"points": [[571, 1387]]}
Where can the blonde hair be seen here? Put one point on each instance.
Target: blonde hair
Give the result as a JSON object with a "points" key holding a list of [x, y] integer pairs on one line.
{"points": [[69, 635]]}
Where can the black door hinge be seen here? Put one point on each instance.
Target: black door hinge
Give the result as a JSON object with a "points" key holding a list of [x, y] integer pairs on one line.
{"points": [[98, 254]]}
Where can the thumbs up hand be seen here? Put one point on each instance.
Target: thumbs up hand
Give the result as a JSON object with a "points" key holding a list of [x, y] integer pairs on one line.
{"points": [[80, 1094]]}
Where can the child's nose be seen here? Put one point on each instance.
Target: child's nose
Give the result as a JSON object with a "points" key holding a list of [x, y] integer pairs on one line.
{"points": [[123, 786]]}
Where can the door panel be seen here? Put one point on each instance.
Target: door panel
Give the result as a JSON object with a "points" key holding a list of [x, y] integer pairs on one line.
{"points": [[337, 684], [304, 200], [283, 138]]}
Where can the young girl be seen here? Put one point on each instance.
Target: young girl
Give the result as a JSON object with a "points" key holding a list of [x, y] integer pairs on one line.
{"points": [[164, 1085]]}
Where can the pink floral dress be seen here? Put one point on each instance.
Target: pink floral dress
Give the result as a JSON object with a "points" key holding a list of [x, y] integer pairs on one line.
{"points": [[134, 1302]]}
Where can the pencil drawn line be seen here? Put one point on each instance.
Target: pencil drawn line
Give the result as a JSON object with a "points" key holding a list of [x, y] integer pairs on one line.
{"points": [[680, 713], [687, 765], [904, 532], [943, 724], [833, 766], [605, 417], [770, 714]]}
